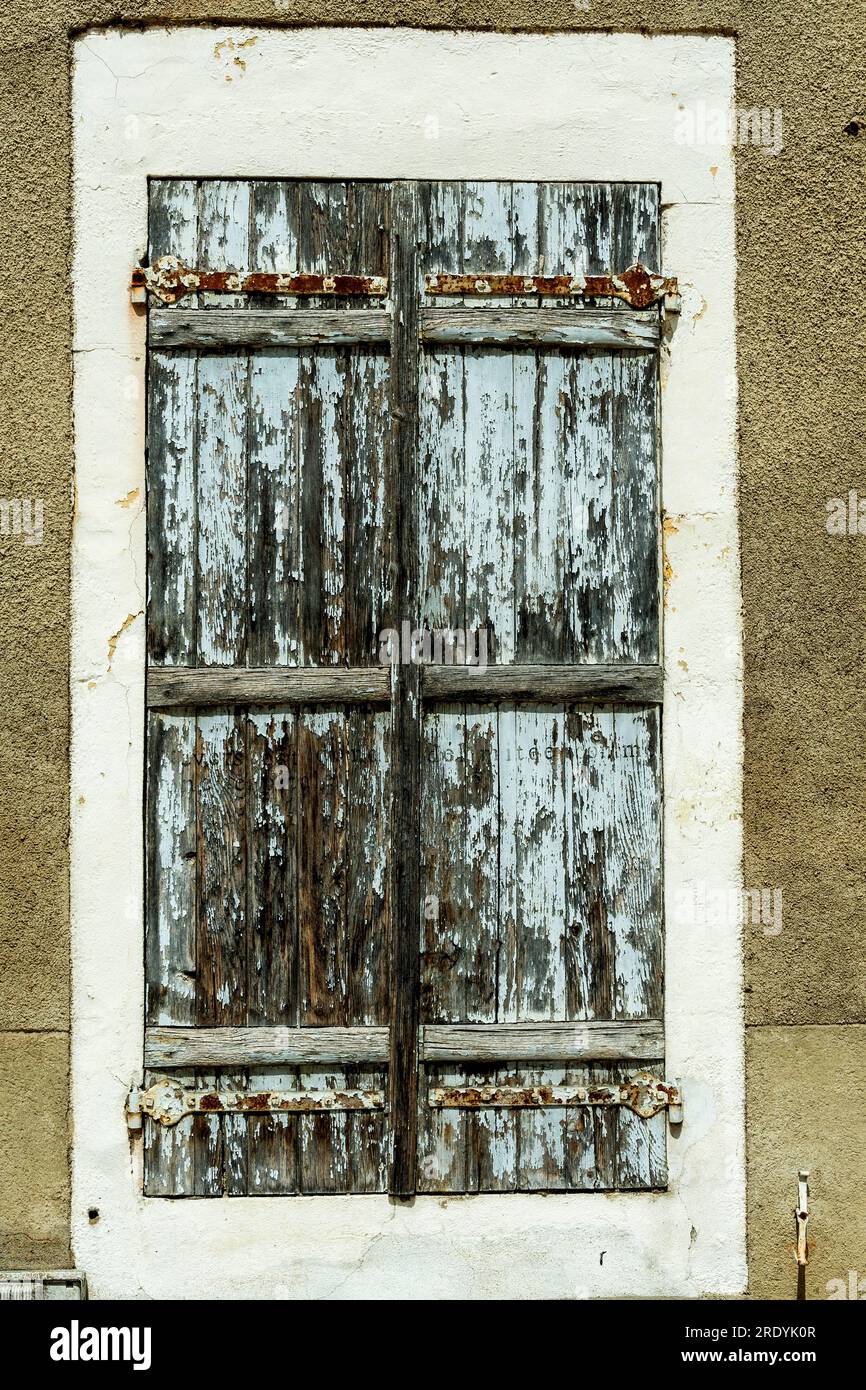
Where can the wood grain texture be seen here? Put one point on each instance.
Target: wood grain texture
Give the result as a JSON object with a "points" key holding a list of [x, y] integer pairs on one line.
{"points": [[188, 687], [537, 682], [265, 1046], [301, 328], [495, 327], [406, 709]]}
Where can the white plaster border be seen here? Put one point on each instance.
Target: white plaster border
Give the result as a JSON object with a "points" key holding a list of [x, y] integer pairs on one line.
{"points": [[404, 103]]}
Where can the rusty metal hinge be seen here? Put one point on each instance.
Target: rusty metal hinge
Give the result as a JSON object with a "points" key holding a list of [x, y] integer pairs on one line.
{"points": [[643, 1093], [169, 279], [168, 1101], [636, 286]]}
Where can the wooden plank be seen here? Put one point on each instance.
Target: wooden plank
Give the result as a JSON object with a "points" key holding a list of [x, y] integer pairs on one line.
{"points": [[440, 406], [640, 1040], [640, 1145], [323, 444], [370, 502], [494, 327], [633, 544], [223, 623], [171, 639], [171, 877], [265, 1046], [273, 510], [274, 218], [634, 870], [590, 1131], [406, 735], [271, 814], [222, 510], [174, 687], [544, 684], [221, 983], [589, 960], [492, 1137], [322, 867], [368, 890], [533, 987], [172, 395], [488, 453], [259, 328]]}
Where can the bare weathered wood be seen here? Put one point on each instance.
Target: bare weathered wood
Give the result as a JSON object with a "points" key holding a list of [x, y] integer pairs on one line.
{"points": [[171, 639], [265, 1046], [406, 735], [639, 1041], [493, 327], [271, 875], [322, 865], [368, 888], [183, 687], [245, 328], [543, 684]]}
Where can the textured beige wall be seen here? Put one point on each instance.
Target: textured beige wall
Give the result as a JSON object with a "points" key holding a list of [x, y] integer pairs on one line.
{"points": [[802, 334]]}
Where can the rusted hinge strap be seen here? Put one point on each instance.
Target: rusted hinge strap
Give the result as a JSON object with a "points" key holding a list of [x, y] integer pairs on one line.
{"points": [[636, 286], [643, 1093], [169, 279], [168, 1101]]}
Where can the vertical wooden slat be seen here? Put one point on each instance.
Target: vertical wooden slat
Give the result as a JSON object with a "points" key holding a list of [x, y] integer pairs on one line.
{"points": [[641, 1149], [369, 506], [440, 407], [590, 962], [368, 900], [406, 736], [223, 630], [221, 981], [171, 508], [322, 860], [488, 443], [273, 510], [170, 836], [632, 542], [272, 962], [492, 1135], [634, 857], [222, 510]]}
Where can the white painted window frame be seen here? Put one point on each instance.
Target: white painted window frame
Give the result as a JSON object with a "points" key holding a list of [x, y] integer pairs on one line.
{"points": [[406, 104]]}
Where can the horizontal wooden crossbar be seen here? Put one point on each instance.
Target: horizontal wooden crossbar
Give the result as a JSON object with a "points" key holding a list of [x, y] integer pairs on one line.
{"points": [[493, 327], [262, 1047], [171, 687], [637, 1040], [177, 686], [241, 328], [545, 684]]}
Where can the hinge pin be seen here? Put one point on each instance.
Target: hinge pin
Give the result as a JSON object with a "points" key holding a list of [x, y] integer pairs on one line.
{"points": [[133, 1111]]}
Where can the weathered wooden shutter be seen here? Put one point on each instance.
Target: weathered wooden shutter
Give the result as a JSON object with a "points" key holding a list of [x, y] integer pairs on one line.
{"points": [[322, 469]]}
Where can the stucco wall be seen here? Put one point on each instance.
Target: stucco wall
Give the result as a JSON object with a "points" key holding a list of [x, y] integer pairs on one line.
{"points": [[800, 346]]}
